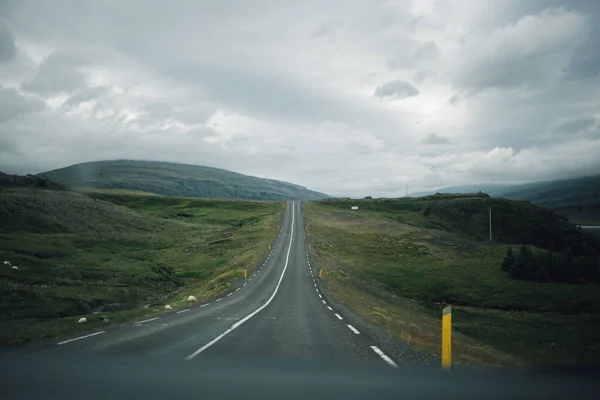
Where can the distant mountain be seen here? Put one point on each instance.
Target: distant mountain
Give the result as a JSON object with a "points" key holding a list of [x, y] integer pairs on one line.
{"points": [[174, 179], [553, 194], [559, 193]]}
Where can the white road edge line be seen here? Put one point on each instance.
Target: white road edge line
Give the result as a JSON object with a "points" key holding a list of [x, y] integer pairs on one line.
{"points": [[353, 329], [237, 289], [320, 295], [147, 320], [245, 284], [79, 338], [338, 316], [219, 299], [324, 302], [330, 309], [229, 294], [204, 305], [384, 357], [252, 314], [182, 311]]}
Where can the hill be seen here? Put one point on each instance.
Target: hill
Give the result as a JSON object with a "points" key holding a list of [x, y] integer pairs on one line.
{"points": [[398, 262], [558, 193], [172, 179], [112, 255], [467, 215], [554, 194]]}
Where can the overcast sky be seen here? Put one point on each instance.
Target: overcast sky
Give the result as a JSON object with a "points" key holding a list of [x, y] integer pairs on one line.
{"points": [[345, 97]]}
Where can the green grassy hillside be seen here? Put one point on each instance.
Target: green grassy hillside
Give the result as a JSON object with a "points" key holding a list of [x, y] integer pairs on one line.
{"points": [[118, 255], [399, 261], [173, 179], [467, 215]]}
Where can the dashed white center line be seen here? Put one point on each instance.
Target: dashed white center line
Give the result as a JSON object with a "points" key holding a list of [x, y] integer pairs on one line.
{"points": [[245, 284], [320, 295], [147, 320], [182, 311], [324, 302], [79, 338], [237, 289], [315, 284], [338, 316], [384, 357], [330, 309], [229, 294], [219, 299], [204, 305], [250, 279], [353, 329]]}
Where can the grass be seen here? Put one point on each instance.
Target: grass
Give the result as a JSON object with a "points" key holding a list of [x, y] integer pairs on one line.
{"points": [[398, 272], [172, 179], [118, 255]]}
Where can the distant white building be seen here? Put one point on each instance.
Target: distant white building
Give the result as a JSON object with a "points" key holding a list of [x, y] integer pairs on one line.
{"points": [[354, 208]]}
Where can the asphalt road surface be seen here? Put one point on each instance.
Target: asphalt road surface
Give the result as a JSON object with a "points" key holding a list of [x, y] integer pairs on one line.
{"points": [[278, 312], [274, 335]]}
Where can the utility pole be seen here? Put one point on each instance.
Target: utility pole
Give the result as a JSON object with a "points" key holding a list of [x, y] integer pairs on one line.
{"points": [[98, 177], [490, 215]]}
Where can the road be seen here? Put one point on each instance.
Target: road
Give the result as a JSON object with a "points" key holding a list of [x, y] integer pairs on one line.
{"points": [[278, 312]]}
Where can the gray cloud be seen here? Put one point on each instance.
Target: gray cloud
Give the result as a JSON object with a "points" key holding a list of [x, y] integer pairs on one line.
{"points": [[433, 138], [59, 72], [84, 95], [252, 87], [425, 51], [13, 104], [397, 89], [534, 50], [7, 43], [326, 28]]}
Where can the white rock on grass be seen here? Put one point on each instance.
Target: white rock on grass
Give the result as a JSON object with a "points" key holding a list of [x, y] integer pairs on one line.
{"points": [[191, 298], [82, 320], [14, 267], [7, 263], [168, 307]]}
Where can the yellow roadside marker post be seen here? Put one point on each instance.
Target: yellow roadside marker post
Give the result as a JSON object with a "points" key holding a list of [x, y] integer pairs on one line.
{"points": [[269, 246], [321, 273], [447, 337], [309, 246], [245, 274]]}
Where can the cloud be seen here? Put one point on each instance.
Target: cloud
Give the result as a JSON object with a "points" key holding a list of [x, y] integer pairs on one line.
{"points": [[571, 127], [425, 51], [254, 88], [58, 72], [7, 43], [397, 89], [325, 29], [84, 95], [534, 50], [433, 138], [13, 104]]}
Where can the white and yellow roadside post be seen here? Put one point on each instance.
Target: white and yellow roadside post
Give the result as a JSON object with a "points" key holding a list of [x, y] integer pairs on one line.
{"points": [[321, 273], [245, 274], [447, 337]]}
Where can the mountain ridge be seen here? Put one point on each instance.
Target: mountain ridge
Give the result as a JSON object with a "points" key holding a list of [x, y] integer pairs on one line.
{"points": [[177, 179]]}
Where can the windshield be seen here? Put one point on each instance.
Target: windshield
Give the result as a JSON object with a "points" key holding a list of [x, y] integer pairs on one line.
{"points": [[365, 182]]}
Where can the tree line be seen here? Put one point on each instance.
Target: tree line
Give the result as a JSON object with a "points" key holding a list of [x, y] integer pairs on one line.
{"points": [[547, 266]]}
